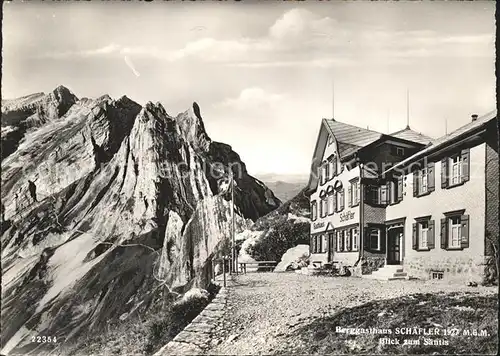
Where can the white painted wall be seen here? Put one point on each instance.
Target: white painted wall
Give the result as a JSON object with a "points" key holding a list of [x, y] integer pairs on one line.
{"points": [[340, 219], [469, 196]]}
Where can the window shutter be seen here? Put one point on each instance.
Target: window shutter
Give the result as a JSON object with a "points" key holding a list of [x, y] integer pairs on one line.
{"points": [[444, 234], [342, 198], [444, 172], [400, 189], [415, 238], [383, 194], [465, 165], [431, 186], [431, 235], [349, 196], [415, 183], [465, 231]]}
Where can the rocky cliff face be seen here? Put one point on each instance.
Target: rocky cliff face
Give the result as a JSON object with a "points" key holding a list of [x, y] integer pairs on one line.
{"points": [[103, 202]]}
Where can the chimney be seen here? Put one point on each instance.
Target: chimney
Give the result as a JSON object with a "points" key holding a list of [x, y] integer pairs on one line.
{"points": [[474, 117]]}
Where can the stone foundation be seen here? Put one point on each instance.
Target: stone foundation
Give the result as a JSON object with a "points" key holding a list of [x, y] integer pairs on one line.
{"points": [[464, 269], [371, 263], [490, 271]]}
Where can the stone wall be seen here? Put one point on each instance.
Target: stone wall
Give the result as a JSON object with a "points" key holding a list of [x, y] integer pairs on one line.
{"points": [[464, 268], [372, 262], [491, 208]]}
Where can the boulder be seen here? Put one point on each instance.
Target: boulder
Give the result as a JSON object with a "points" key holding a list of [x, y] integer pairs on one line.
{"points": [[293, 257]]}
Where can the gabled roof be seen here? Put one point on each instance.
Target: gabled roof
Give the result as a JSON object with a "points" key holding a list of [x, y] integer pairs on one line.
{"points": [[351, 138], [445, 140], [408, 134]]}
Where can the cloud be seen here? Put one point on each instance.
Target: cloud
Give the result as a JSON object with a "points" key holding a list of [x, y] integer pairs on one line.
{"points": [[97, 52], [302, 38], [250, 99]]}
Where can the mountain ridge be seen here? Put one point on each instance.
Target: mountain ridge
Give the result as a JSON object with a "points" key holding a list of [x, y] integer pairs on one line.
{"points": [[104, 201]]}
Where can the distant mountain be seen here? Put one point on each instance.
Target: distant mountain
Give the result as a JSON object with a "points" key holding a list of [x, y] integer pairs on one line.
{"points": [[107, 204], [284, 186]]}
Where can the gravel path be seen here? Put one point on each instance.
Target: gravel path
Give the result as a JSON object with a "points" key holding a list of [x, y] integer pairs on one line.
{"points": [[262, 308]]}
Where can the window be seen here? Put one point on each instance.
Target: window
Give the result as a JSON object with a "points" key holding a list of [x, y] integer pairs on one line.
{"points": [[374, 239], [423, 180], [437, 275], [324, 243], [323, 173], [455, 232], [318, 245], [331, 203], [314, 210], [353, 193], [423, 232], [384, 192], [331, 167], [400, 151], [455, 170], [396, 190], [340, 200], [340, 241], [323, 207], [347, 240], [355, 238]]}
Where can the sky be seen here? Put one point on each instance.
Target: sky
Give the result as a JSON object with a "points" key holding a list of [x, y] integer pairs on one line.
{"points": [[263, 73]]}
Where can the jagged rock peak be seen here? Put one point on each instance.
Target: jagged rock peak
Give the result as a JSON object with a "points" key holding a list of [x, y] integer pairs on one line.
{"points": [[192, 126], [62, 91], [196, 109]]}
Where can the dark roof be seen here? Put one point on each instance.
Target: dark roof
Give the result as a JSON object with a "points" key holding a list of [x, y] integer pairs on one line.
{"points": [[351, 138], [408, 134], [444, 140]]}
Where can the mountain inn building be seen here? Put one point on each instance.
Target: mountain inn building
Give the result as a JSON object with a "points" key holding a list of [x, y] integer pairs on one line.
{"points": [[405, 205]]}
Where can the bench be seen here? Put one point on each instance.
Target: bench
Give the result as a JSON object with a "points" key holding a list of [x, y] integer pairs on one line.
{"points": [[259, 264]]}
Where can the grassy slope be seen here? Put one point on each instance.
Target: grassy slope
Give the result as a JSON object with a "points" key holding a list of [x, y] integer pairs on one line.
{"points": [[440, 311]]}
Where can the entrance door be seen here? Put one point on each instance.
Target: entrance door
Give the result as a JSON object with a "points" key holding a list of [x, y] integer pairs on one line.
{"points": [[394, 238], [331, 246]]}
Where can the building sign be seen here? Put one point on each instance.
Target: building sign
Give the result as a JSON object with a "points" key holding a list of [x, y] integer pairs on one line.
{"points": [[346, 216], [319, 225]]}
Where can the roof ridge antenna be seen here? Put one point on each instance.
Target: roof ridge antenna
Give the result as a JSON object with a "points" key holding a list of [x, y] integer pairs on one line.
{"points": [[333, 99], [408, 108]]}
